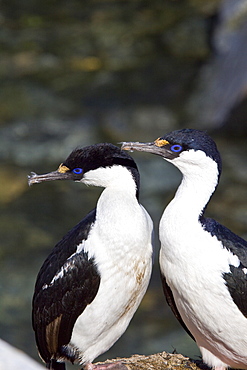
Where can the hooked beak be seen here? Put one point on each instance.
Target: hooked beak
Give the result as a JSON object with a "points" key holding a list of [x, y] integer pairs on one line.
{"points": [[62, 173], [156, 147]]}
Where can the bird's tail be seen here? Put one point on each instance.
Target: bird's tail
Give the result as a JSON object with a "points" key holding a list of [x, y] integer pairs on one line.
{"points": [[54, 365]]}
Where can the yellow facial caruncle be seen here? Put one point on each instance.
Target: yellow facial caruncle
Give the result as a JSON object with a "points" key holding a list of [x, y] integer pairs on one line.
{"points": [[62, 168], [160, 142]]}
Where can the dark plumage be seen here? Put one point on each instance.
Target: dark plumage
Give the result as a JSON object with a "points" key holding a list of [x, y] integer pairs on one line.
{"points": [[56, 306]]}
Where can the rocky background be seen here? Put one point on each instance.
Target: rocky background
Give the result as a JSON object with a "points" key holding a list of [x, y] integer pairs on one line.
{"points": [[74, 73]]}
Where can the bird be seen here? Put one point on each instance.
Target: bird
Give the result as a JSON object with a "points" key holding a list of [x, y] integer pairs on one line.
{"points": [[203, 264], [94, 279]]}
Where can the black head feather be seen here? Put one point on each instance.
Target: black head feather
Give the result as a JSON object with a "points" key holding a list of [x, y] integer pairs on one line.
{"points": [[196, 140], [101, 155]]}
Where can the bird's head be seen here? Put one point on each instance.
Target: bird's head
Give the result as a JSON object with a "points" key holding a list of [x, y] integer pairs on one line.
{"points": [[188, 149], [99, 165]]}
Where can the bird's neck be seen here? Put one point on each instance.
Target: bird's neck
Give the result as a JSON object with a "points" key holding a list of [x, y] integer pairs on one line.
{"points": [[193, 194], [119, 216], [181, 232], [114, 179], [116, 204]]}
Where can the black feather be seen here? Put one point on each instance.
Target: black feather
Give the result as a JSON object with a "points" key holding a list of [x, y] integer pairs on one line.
{"points": [[236, 279], [102, 155], [196, 140], [57, 304], [54, 365]]}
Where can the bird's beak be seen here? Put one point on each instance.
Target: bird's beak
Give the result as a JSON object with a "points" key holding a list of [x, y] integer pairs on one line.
{"points": [[62, 173], [155, 147]]}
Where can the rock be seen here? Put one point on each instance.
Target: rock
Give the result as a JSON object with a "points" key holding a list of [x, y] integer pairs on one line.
{"points": [[134, 122], [159, 361], [37, 141], [12, 358], [223, 80]]}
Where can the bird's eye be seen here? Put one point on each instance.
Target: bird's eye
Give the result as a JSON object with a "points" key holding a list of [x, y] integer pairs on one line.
{"points": [[176, 148], [77, 171]]}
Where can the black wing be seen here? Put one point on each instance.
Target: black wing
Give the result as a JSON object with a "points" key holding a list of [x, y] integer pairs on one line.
{"points": [[171, 302], [58, 302], [236, 279]]}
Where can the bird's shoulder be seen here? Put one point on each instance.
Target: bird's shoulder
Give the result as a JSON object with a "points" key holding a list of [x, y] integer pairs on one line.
{"points": [[236, 278], [64, 249], [232, 242], [67, 282]]}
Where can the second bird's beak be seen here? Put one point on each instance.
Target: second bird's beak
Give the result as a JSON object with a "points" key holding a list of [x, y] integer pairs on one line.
{"points": [[62, 173], [155, 147]]}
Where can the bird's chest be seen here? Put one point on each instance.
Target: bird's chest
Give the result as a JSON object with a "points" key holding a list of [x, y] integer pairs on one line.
{"points": [[194, 262], [122, 253], [121, 264], [184, 243], [120, 243], [124, 276]]}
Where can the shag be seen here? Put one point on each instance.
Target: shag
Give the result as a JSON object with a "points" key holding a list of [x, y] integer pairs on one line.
{"points": [[94, 279], [203, 264]]}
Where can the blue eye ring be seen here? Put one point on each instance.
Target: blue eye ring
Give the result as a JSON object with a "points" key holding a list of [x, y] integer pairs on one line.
{"points": [[77, 170], [176, 148]]}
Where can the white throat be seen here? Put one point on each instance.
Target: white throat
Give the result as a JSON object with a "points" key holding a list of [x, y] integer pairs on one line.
{"points": [[180, 221], [200, 178], [117, 177], [118, 210]]}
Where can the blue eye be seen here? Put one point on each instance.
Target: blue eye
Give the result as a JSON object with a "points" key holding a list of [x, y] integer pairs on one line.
{"points": [[176, 148], [77, 171]]}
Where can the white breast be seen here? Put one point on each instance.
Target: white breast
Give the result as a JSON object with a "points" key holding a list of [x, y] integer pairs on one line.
{"points": [[120, 242], [193, 263]]}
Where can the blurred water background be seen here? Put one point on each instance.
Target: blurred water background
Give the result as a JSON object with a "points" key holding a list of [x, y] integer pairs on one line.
{"points": [[74, 73]]}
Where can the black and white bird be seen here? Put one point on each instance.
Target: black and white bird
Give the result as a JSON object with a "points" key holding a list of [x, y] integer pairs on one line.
{"points": [[91, 284], [203, 264]]}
